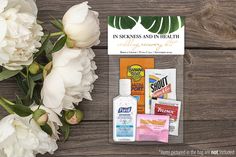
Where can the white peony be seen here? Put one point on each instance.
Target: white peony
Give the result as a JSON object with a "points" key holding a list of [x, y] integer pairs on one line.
{"points": [[70, 80], [19, 33], [82, 25], [22, 137], [53, 120]]}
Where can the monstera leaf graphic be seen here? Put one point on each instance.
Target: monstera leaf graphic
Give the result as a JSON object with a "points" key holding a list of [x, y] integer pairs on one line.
{"points": [[123, 22], [162, 24]]}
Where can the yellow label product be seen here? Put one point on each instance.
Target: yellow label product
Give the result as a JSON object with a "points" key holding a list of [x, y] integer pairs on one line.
{"points": [[134, 69]]}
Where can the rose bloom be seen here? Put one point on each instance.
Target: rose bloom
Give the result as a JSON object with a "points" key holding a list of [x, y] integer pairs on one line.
{"points": [[81, 25], [70, 80], [20, 34], [23, 137]]}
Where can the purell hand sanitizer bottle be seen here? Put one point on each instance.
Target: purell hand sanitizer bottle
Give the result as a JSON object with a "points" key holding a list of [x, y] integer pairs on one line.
{"points": [[124, 114]]}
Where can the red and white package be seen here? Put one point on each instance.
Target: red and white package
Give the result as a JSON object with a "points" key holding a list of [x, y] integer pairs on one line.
{"points": [[170, 108]]}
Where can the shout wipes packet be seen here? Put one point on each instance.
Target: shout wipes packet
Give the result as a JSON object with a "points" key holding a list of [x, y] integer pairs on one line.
{"points": [[170, 108], [159, 83]]}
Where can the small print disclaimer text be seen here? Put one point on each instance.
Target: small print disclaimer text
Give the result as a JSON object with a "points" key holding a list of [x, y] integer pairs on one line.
{"points": [[197, 152]]}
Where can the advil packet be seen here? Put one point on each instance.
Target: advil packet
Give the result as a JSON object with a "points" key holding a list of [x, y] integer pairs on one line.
{"points": [[170, 108], [152, 128], [159, 83]]}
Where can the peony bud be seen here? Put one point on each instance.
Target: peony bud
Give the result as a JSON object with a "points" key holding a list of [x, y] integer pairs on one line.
{"points": [[34, 68], [73, 117], [81, 25], [40, 116]]}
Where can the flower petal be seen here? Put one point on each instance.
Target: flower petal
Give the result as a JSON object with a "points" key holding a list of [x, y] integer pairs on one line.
{"points": [[26, 6], [80, 63], [3, 4], [27, 139], [7, 128], [69, 76], [90, 53], [53, 90], [64, 56], [68, 102], [3, 28], [2, 154], [76, 14]]}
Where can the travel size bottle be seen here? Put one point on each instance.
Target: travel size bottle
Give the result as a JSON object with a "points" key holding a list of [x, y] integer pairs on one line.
{"points": [[124, 113]]}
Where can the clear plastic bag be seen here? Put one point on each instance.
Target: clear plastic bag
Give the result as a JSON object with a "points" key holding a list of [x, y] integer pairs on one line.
{"points": [[161, 62], [136, 44]]}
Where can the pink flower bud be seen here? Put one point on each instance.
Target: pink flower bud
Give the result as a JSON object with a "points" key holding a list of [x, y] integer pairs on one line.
{"points": [[40, 116], [73, 117]]}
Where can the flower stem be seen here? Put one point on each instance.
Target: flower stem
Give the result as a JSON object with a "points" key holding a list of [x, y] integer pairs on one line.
{"points": [[23, 74], [6, 106], [56, 34]]}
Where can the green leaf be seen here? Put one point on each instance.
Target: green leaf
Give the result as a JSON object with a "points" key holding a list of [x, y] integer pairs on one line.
{"points": [[27, 101], [123, 22], [65, 128], [48, 50], [175, 24], [162, 24], [18, 100], [31, 88], [27, 85], [6, 106], [44, 42], [37, 94], [19, 109], [46, 128], [57, 23], [59, 44], [65, 131], [5, 74], [21, 82], [31, 85]]}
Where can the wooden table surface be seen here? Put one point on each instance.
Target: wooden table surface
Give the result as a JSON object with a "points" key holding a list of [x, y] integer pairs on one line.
{"points": [[209, 78]]}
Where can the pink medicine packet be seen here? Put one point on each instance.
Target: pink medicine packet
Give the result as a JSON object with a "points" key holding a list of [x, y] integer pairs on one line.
{"points": [[152, 128]]}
